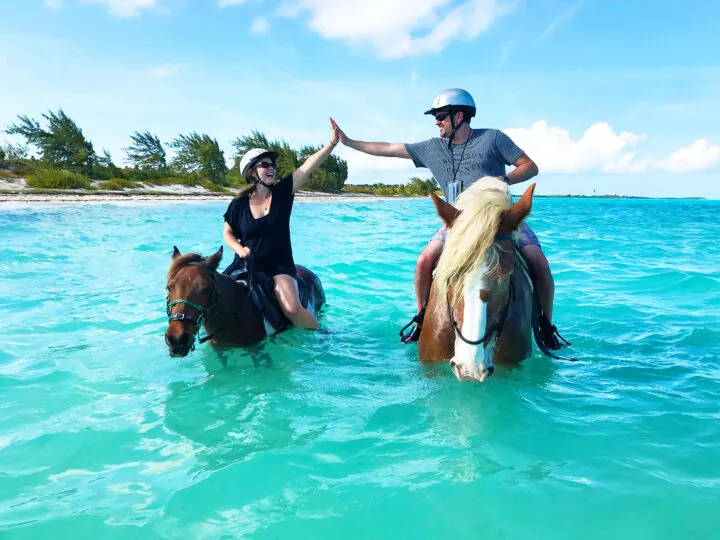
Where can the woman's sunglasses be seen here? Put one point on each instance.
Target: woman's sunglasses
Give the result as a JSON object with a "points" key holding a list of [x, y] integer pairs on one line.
{"points": [[266, 165]]}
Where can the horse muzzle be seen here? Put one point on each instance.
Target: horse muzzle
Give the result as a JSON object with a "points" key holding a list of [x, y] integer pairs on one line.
{"points": [[474, 374], [179, 345]]}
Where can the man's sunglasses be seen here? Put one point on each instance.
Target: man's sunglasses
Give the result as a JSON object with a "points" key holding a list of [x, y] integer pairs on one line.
{"points": [[440, 116], [266, 165]]}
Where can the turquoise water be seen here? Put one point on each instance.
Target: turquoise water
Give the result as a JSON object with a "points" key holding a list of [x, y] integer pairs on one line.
{"points": [[345, 435]]}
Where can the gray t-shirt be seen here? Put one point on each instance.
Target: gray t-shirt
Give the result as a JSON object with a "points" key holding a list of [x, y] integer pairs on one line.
{"points": [[486, 153]]}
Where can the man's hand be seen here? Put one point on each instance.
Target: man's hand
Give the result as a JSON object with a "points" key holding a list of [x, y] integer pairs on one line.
{"points": [[244, 252], [341, 134]]}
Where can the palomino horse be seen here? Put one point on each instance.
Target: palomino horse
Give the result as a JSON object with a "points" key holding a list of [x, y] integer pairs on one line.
{"points": [[199, 295], [480, 308]]}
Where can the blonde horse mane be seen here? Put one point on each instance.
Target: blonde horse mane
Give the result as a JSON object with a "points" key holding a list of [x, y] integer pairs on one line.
{"points": [[469, 243]]}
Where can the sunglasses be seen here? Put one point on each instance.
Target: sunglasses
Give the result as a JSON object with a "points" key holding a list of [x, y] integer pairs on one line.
{"points": [[441, 116], [266, 165]]}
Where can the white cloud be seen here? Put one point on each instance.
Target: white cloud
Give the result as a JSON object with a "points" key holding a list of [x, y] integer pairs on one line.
{"points": [[165, 70], [54, 5], [125, 8], [398, 28], [226, 3], [599, 148], [627, 163], [260, 26], [698, 156], [363, 167]]}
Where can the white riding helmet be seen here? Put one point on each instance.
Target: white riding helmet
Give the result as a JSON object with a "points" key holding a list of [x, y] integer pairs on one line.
{"points": [[254, 155], [454, 97]]}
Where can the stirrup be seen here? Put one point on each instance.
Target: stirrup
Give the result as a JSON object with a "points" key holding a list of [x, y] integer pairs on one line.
{"points": [[414, 334]]}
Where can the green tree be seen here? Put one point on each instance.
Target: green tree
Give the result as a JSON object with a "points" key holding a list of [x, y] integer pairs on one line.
{"points": [[146, 151], [287, 161], [418, 186], [104, 168], [202, 155], [12, 152], [105, 159], [62, 144], [330, 176]]}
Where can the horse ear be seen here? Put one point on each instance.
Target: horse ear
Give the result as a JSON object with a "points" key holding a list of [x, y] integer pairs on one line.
{"points": [[214, 260], [447, 212], [176, 252], [511, 219]]}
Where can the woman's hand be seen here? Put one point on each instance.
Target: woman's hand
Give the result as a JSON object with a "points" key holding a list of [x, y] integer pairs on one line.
{"points": [[243, 252], [337, 134], [303, 172]]}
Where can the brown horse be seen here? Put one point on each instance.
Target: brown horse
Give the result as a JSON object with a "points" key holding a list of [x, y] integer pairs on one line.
{"points": [[480, 307], [198, 295]]}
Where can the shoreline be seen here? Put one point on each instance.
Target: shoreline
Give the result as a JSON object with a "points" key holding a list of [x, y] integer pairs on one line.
{"points": [[25, 197]]}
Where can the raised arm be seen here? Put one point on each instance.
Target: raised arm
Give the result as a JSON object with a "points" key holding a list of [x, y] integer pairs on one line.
{"points": [[383, 149], [525, 169], [303, 172]]}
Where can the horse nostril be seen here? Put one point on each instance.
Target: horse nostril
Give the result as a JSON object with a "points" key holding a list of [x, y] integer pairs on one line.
{"points": [[177, 341], [490, 370], [455, 369]]}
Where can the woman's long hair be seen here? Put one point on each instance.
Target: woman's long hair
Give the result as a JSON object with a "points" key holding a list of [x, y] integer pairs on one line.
{"points": [[249, 190]]}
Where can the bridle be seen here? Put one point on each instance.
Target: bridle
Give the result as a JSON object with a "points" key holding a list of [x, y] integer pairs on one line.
{"points": [[202, 310], [494, 330]]}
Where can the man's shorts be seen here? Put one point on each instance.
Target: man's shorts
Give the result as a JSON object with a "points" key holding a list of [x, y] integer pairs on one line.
{"points": [[526, 236]]}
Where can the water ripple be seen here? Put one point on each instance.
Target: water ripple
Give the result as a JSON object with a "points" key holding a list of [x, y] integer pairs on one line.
{"points": [[345, 434]]}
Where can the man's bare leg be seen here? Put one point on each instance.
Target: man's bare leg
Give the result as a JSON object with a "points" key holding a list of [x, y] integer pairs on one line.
{"points": [[423, 271], [423, 278], [542, 278], [545, 290]]}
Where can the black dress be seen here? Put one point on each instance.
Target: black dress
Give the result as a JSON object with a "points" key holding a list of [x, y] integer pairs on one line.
{"points": [[267, 237]]}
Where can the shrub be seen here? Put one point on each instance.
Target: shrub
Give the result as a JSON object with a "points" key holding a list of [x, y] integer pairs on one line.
{"points": [[234, 179], [172, 180], [56, 179], [215, 188], [26, 167], [117, 184]]}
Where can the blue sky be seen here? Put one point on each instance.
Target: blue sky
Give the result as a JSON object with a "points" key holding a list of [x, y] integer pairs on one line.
{"points": [[606, 96]]}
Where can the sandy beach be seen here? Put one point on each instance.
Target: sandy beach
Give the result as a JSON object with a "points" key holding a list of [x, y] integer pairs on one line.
{"points": [[16, 193]]}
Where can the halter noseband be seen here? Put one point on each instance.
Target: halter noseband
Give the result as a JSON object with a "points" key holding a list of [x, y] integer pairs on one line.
{"points": [[496, 329], [202, 310]]}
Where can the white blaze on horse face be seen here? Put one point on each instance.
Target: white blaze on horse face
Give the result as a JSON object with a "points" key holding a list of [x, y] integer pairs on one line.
{"points": [[474, 360]]}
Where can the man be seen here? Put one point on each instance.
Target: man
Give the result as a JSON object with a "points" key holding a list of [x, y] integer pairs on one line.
{"points": [[458, 158]]}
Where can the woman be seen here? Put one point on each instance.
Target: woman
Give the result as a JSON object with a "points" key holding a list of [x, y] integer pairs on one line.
{"points": [[257, 223]]}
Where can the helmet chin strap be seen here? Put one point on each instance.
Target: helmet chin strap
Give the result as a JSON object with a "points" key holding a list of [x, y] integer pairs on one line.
{"points": [[258, 181], [454, 128], [269, 186]]}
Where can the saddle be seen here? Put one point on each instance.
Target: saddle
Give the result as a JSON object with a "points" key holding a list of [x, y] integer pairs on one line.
{"points": [[261, 288]]}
